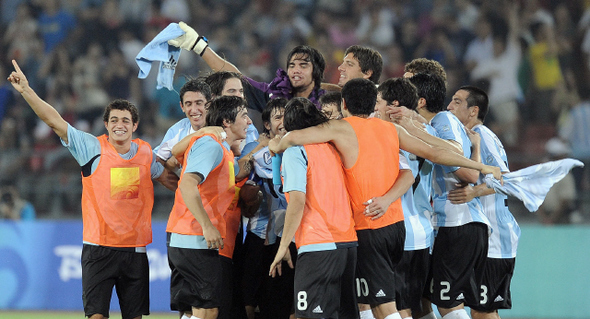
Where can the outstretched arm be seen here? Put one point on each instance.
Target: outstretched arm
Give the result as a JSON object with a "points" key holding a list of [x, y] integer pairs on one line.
{"points": [[191, 41], [323, 133], [45, 111], [441, 155]]}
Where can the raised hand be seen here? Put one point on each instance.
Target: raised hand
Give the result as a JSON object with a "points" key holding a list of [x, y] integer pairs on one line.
{"points": [[18, 79]]}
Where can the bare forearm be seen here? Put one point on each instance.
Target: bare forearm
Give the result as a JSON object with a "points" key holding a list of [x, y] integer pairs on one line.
{"points": [[217, 63], [46, 113], [293, 217], [404, 181]]}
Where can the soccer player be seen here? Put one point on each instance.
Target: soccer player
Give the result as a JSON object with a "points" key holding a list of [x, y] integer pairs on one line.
{"points": [[117, 201], [197, 225], [331, 105], [454, 266], [194, 95], [260, 243], [360, 62], [412, 271], [320, 219], [369, 149], [305, 68], [470, 105]]}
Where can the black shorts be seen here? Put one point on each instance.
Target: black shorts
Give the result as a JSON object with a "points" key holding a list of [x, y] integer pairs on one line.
{"points": [[324, 284], [277, 299], [458, 261], [257, 261], [225, 288], [128, 271], [411, 274], [379, 252], [195, 279], [494, 290]]}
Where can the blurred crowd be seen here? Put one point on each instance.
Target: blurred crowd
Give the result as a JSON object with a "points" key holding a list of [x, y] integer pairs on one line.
{"points": [[531, 56]]}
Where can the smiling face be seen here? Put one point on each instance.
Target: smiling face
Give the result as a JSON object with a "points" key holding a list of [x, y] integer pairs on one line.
{"points": [[300, 72], [381, 108], [275, 126], [120, 126], [238, 129], [193, 106], [350, 69], [233, 87]]}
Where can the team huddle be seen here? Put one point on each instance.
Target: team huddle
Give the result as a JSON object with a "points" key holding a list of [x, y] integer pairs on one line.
{"points": [[373, 200]]}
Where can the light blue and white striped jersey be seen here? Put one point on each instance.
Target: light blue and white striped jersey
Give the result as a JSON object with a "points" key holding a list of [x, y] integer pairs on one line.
{"points": [[446, 214], [419, 233], [273, 198], [503, 241], [423, 189], [175, 133]]}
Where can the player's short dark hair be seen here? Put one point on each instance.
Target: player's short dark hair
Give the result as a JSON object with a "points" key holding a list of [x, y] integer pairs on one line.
{"points": [[195, 85], [423, 65], [309, 54], [368, 59], [216, 80], [271, 105], [333, 97], [123, 105], [224, 108], [477, 97], [401, 90], [431, 87], [360, 96], [301, 113]]}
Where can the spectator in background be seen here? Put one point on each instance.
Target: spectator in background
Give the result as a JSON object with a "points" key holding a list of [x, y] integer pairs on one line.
{"points": [[560, 201], [502, 72], [547, 75], [12, 206], [575, 131], [55, 24], [482, 47]]}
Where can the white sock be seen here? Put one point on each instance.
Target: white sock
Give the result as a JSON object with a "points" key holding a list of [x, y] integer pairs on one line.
{"points": [[366, 314], [429, 315], [457, 314], [184, 316], [395, 315], [408, 317]]}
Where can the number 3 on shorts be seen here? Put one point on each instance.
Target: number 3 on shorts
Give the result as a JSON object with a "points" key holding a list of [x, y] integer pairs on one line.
{"points": [[302, 300]]}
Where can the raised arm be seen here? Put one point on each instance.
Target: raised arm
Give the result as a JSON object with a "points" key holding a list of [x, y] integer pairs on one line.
{"points": [[43, 110], [191, 41]]}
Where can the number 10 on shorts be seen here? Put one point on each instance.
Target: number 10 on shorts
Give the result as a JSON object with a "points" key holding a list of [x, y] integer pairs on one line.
{"points": [[362, 288]]}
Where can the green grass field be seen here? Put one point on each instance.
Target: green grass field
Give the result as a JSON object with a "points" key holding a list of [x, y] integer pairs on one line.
{"points": [[71, 315]]}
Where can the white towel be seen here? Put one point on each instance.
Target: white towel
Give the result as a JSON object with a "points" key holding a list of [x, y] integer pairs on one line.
{"points": [[531, 184], [159, 50]]}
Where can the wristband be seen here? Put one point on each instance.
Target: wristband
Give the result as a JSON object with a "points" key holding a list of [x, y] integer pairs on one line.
{"points": [[200, 45]]}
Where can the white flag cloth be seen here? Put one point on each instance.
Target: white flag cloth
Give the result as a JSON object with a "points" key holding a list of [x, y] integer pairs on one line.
{"points": [[532, 184]]}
